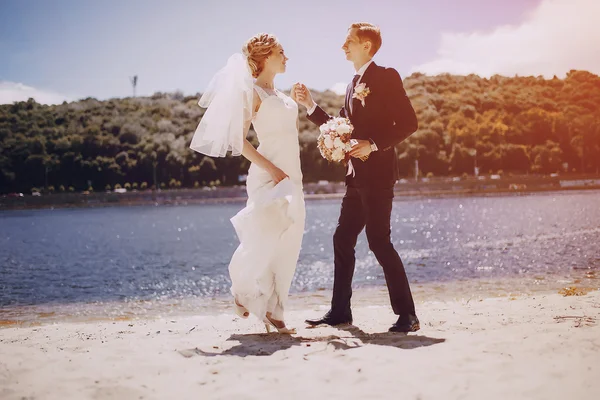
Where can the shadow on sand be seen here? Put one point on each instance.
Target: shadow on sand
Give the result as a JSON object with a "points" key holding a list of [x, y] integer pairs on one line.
{"points": [[268, 344]]}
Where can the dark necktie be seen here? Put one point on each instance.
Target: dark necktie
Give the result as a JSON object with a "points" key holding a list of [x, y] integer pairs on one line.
{"points": [[354, 81]]}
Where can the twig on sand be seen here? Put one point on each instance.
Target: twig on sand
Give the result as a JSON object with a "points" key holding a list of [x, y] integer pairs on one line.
{"points": [[579, 320]]}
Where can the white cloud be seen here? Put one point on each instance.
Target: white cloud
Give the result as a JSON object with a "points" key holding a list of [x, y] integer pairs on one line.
{"points": [[12, 91], [558, 36], [339, 88]]}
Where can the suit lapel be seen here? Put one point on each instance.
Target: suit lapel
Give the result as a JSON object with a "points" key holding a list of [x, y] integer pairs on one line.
{"points": [[366, 78]]}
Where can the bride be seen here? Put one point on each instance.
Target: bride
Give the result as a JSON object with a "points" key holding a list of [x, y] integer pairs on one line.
{"points": [[271, 226]]}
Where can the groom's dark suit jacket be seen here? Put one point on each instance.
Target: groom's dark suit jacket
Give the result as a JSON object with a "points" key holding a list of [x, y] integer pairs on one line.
{"points": [[387, 118]]}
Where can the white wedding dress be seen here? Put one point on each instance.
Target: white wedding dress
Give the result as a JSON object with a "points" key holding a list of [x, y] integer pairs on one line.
{"points": [[271, 226]]}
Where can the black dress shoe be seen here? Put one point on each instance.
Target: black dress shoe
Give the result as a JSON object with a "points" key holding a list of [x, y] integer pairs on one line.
{"points": [[405, 325], [331, 319]]}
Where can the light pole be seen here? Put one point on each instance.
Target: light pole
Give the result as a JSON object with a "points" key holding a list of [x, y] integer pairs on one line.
{"points": [[475, 169], [416, 170], [134, 80]]}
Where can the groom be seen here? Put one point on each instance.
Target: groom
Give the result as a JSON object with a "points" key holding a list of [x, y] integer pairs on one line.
{"points": [[382, 115]]}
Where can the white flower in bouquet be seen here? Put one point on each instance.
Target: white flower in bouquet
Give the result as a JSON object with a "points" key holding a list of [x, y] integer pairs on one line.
{"points": [[329, 143], [343, 129], [338, 155], [338, 144]]}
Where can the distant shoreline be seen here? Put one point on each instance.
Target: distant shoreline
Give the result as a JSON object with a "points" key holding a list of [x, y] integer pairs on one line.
{"points": [[313, 191], [309, 197]]}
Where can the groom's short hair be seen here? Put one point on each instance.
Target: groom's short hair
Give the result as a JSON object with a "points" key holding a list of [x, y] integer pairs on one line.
{"points": [[368, 32]]}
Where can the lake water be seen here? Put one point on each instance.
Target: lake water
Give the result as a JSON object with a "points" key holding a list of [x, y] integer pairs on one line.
{"points": [[68, 256]]}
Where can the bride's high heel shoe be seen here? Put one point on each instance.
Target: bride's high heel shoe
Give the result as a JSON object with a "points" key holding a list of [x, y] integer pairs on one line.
{"points": [[240, 310], [269, 323]]}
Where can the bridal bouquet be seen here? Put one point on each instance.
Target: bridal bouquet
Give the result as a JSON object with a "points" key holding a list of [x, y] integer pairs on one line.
{"points": [[334, 140]]}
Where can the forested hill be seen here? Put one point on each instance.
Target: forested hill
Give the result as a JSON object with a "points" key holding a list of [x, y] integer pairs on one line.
{"points": [[518, 125]]}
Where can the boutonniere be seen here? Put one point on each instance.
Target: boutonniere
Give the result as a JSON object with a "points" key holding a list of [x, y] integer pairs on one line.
{"points": [[361, 91]]}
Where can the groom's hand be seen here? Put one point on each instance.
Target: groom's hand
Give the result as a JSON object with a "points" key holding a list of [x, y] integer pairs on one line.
{"points": [[303, 95], [361, 150]]}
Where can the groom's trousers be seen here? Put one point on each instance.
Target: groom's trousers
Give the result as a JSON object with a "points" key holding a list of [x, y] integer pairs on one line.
{"points": [[370, 208]]}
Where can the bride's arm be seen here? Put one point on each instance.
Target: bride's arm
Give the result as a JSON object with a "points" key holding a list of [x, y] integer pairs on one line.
{"points": [[295, 98], [254, 156]]}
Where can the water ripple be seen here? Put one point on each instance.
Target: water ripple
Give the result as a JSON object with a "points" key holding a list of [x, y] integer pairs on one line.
{"points": [[145, 253]]}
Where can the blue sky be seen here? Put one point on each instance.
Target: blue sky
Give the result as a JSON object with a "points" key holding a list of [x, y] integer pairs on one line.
{"points": [[68, 49]]}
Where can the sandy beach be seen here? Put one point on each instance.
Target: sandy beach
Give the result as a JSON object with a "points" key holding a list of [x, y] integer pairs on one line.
{"points": [[536, 346]]}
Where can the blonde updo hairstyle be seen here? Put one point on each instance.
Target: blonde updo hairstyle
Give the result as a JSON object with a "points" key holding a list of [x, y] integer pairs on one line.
{"points": [[258, 48]]}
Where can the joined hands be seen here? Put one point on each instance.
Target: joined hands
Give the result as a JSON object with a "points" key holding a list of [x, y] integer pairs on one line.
{"points": [[301, 95]]}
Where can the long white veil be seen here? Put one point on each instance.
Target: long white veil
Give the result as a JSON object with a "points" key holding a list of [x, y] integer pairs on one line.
{"points": [[229, 102]]}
